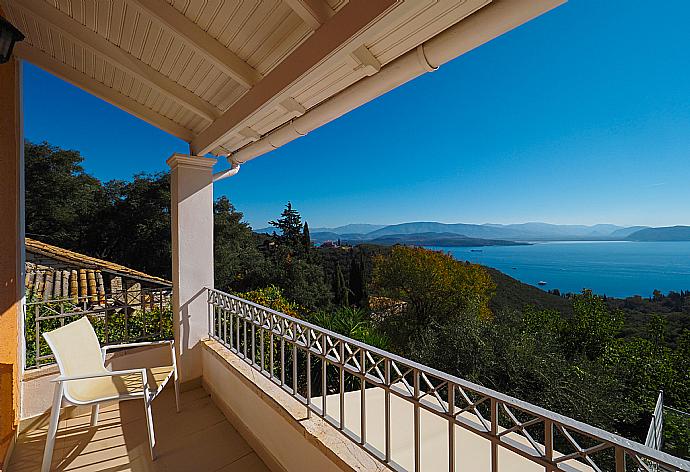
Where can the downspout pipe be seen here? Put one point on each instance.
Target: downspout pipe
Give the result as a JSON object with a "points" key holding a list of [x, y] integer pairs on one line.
{"points": [[224, 174], [482, 26]]}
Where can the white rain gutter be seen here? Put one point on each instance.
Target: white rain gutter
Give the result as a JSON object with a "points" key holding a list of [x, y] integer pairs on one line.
{"points": [[224, 174], [482, 26]]}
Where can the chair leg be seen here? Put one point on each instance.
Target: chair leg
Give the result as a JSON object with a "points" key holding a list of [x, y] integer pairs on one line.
{"points": [[177, 394], [52, 428], [175, 377], [94, 415], [149, 424]]}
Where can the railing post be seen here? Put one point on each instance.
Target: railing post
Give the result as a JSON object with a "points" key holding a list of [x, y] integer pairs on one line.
{"points": [[387, 409], [37, 334], [451, 427], [494, 435], [308, 401], [342, 384], [548, 444], [363, 398], [417, 424], [324, 374], [620, 459]]}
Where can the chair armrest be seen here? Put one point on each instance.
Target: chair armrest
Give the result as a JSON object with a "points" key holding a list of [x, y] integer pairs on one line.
{"points": [[67, 378], [137, 344]]}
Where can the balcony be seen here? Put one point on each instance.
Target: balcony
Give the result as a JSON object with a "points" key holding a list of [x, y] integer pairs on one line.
{"points": [[198, 438], [277, 393], [262, 390]]}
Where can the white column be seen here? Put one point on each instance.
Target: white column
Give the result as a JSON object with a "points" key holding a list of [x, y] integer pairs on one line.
{"points": [[191, 184]]}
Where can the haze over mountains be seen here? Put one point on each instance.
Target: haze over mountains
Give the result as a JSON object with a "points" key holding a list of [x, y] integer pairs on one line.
{"points": [[448, 234]]}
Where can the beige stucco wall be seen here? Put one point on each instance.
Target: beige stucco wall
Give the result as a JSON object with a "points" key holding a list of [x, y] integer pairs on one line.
{"points": [[275, 424], [11, 250]]}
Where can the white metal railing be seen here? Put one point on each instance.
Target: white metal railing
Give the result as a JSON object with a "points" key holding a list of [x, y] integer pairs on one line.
{"points": [[655, 433], [314, 364], [119, 317]]}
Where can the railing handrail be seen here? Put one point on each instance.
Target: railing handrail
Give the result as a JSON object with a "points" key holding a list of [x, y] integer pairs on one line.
{"points": [[578, 426], [677, 411]]}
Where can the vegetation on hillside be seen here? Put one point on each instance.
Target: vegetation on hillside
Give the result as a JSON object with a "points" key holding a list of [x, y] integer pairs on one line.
{"points": [[602, 361]]}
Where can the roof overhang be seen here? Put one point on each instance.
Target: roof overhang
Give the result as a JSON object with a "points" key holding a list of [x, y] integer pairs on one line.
{"points": [[241, 78]]}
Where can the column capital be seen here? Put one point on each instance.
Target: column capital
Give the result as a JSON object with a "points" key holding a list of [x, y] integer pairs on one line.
{"points": [[184, 160]]}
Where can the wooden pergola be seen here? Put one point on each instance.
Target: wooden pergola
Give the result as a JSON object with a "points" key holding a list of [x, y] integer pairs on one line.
{"points": [[233, 78]]}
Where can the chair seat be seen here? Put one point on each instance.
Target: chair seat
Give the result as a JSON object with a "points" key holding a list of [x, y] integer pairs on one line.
{"points": [[101, 388]]}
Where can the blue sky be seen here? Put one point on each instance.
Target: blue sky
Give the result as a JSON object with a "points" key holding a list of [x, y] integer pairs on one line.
{"points": [[580, 116]]}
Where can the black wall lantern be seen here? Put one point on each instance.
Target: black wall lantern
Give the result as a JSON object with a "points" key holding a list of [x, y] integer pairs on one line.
{"points": [[8, 36]]}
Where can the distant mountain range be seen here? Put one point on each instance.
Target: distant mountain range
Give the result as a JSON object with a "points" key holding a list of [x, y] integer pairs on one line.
{"points": [[668, 233], [440, 239], [450, 234], [349, 229]]}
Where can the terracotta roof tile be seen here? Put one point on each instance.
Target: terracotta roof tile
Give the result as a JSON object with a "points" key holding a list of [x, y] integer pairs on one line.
{"points": [[81, 260]]}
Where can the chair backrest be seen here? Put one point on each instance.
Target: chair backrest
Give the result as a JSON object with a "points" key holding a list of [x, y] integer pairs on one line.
{"points": [[76, 348]]}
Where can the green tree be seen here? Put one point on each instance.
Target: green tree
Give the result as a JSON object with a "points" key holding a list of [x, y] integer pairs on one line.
{"points": [[134, 228], [305, 283], [432, 283], [62, 200], [273, 298], [357, 278], [656, 329], [289, 224], [238, 263], [306, 238], [593, 326], [352, 322], [340, 290], [432, 295]]}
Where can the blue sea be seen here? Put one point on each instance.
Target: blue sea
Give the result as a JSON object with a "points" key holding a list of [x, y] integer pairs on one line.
{"points": [[613, 268]]}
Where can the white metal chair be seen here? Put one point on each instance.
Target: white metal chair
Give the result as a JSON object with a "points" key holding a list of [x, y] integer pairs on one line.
{"points": [[84, 379]]}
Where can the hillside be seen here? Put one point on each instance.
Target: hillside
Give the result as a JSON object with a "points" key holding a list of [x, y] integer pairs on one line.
{"points": [[668, 233], [674, 307], [625, 232], [440, 239], [511, 294]]}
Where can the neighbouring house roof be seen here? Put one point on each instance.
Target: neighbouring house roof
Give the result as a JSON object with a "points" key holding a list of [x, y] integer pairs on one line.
{"points": [[45, 254]]}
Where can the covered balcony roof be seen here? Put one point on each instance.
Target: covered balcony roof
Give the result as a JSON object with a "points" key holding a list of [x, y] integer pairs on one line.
{"points": [[222, 75]]}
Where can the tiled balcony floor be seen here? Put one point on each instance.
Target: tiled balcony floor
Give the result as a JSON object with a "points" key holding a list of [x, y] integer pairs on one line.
{"points": [[197, 438]]}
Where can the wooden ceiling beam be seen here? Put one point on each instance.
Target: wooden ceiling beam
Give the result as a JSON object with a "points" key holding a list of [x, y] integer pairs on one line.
{"points": [[47, 62], [89, 39], [331, 37], [313, 12], [200, 40]]}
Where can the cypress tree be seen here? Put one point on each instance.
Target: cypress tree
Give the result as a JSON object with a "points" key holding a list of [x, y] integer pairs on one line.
{"points": [[306, 238], [358, 281], [342, 297], [337, 287]]}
